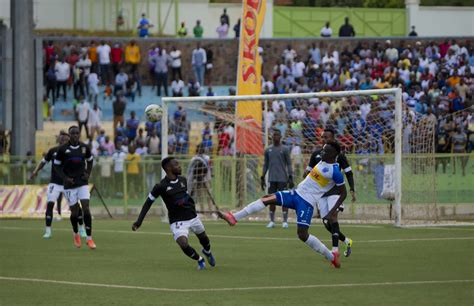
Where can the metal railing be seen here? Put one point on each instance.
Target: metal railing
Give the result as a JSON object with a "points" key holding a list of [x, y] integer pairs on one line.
{"points": [[236, 181]]}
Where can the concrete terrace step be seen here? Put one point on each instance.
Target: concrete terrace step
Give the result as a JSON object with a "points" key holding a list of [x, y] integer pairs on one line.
{"points": [[63, 110]]}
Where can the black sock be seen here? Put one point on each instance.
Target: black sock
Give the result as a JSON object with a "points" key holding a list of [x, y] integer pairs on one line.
{"points": [[342, 237], [73, 219], [58, 203], [272, 216], [49, 213], [335, 234], [80, 218], [191, 252], [327, 225], [88, 222], [206, 244]]}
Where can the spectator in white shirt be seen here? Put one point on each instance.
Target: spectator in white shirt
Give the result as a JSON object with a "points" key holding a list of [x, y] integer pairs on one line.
{"points": [[222, 30], [103, 51], [297, 113], [62, 71], [390, 52], [288, 54], [85, 64], [298, 68], [120, 81], [326, 31], [95, 115], [82, 111], [198, 61], [119, 158], [175, 63], [177, 87], [93, 82]]}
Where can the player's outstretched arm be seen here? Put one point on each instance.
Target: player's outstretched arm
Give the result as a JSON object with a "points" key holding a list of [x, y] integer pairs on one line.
{"points": [[343, 194], [350, 180], [37, 169], [146, 207]]}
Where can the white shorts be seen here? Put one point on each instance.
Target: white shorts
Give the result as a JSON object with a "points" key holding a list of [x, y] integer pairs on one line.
{"points": [[75, 194], [325, 204], [181, 228], [54, 190]]}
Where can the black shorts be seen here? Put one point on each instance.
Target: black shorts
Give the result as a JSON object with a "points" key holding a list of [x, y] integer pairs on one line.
{"points": [[276, 186]]}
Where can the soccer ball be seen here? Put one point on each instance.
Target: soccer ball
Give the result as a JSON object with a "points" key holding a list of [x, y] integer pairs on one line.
{"points": [[153, 112]]}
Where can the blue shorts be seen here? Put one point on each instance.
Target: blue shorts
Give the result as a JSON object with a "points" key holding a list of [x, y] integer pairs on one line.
{"points": [[290, 199]]}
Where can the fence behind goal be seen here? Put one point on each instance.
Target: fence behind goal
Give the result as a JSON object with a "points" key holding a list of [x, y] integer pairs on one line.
{"points": [[391, 147]]}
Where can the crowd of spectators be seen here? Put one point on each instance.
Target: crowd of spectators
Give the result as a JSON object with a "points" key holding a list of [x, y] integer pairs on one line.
{"points": [[436, 80]]}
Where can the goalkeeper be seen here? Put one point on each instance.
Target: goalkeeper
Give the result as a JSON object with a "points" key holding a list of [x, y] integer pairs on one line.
{"points": [[333, 226], [280, 174]]}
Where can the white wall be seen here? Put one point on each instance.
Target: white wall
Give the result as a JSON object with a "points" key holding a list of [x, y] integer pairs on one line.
{"points": [[50, 14], [5, 11], [58, 14], [440, 21]]}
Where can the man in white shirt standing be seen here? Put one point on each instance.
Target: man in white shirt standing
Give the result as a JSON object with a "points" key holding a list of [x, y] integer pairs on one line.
{"points": [[177, 87], [103, 51], [198, 61], [85, 64], [62, 71], [175, 63], [82, 110], [222, 30], [119, 158], [95, 115], [298, 68], [121, 80], [326, 31]]}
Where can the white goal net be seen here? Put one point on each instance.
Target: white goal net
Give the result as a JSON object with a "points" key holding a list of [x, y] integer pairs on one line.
{"points": [[390, 148]]}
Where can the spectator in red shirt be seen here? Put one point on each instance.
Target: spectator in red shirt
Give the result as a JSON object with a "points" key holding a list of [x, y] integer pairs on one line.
{"points": [[116, 55], [224, 141], [49, 54], [443, 48], [346, 140]]}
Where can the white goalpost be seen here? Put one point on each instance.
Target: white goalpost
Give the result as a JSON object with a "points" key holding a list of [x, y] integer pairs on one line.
{"points": [[392, 137]]}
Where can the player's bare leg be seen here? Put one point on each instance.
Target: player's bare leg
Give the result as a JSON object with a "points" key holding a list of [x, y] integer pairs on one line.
{"points": [[183, 243], [74, 214], [88, 222], [49, 219]]}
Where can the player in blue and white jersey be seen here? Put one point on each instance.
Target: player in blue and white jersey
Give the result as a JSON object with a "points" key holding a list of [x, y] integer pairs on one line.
{"points": [[311, 191]]}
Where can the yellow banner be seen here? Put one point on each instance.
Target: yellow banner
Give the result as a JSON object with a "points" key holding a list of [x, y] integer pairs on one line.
{"points": [[26, 201], [249, 73]]}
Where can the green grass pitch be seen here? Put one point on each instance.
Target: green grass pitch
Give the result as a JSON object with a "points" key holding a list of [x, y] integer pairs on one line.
{"points": [[255, 266]]}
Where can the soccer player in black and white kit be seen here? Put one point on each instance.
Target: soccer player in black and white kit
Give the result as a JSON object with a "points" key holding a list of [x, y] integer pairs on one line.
{"points": [[73, 163], [332, 225], [181, 212], [55, 187]]}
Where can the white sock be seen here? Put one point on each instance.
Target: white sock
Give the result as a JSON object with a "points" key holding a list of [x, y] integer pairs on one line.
{"points": [[319, 247], [249, 209], [346, 241], [335, 249], [89, 238], [48, 229]]}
